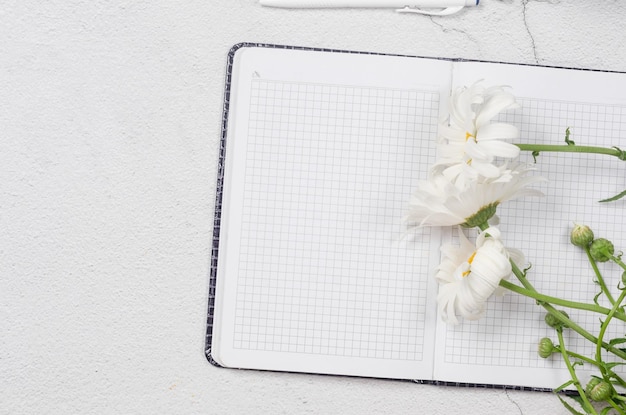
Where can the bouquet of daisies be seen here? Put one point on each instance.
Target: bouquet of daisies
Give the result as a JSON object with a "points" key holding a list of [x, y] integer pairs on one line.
{"points": [[477, 171]]}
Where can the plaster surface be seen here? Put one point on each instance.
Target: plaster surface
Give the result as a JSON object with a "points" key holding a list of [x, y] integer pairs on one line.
{"points": [[110, 115]]}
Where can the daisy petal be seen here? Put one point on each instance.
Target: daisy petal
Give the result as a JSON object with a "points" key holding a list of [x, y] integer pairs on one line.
{"points": [[501, 149], [498, 131]]}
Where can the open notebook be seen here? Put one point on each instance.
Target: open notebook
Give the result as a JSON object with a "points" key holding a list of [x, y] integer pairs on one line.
{"points": [[312, 268]]}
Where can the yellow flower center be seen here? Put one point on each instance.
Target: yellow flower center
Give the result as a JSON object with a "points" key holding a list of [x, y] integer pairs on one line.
{"points": [[467, 137], [469, 261]]}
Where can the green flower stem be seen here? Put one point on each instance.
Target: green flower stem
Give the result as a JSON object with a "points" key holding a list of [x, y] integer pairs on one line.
{"points": [[605, 325], [620, 398], [559, 301], [559, 316], [585, 402], [594, 363], [615, 406], [581, 357], [521, 277], [618, 262], [598, 364], [594, 265], [614, 151]]}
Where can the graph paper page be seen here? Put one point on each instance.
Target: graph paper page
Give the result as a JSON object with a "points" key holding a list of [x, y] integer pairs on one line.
{"points": [[315, 270], [501, 348]]}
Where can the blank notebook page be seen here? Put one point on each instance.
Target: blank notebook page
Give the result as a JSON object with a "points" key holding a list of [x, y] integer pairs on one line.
{"points": [[318, 273]]}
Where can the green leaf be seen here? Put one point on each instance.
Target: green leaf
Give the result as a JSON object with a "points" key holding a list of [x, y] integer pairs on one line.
{"points": [[578, 399], [608, 369], [612, 374], [569, 407], [563, 386], [567, 140], [618, 381], [618, 340], [611, 365], [614, 198], [525, 271], [595, 299], [535, 154]]}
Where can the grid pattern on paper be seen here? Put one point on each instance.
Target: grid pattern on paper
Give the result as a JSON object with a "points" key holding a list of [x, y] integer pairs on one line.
{"points": [[508, 334], [323, 267]]}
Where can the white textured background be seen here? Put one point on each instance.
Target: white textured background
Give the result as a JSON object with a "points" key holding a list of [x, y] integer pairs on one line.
{"points": [[110, 116]]}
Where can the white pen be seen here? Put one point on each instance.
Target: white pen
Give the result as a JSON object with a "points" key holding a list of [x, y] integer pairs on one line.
{"points": [[431, 7]]}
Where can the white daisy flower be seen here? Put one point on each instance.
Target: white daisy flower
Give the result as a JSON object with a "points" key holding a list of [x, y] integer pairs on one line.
{"points": [[469, 274], [469, 141], [442, 202]]}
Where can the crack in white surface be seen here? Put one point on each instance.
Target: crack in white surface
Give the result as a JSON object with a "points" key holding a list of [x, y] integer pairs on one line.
{"points": [[513, 401], [525, 19], [445, 29], [530, 35]]}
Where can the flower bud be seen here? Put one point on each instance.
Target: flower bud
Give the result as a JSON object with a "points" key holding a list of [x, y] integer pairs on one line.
{"points": [[546, 348], [598, 389], [581, 235], [601, 249], [553, 322]]}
